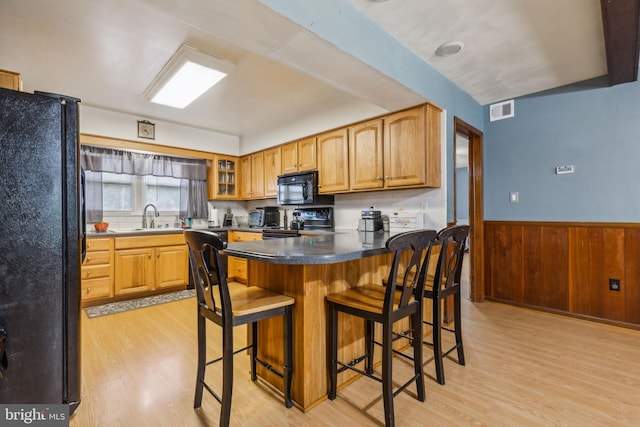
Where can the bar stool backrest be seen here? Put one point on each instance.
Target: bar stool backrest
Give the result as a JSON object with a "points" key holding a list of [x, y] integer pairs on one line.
{"points": [[418, 245], [449, 267], [209, 276]]}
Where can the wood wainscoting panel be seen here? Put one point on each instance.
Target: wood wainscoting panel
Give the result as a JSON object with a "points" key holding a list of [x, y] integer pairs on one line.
{"points": [[503, 263], [631, 286], [565, 267], [552, 289]]}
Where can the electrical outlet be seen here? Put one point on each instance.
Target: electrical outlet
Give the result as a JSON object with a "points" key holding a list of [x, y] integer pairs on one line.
{"points": [[614, 284]]}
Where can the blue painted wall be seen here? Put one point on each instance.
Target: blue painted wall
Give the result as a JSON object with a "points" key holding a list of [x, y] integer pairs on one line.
{"points": [[592, 127], [345, 27]]}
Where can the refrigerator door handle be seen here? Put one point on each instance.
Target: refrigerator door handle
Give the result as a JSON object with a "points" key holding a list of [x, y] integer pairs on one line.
{"points": [[83, 214], [4, 363]]}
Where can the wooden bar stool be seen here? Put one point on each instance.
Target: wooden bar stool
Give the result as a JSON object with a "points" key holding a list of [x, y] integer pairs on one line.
{"points": [[228, 308], [385, 305], [445, 283]]}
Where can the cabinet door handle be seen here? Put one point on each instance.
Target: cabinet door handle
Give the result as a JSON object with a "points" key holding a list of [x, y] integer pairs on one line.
{"points": [[88, 259], [387, 177], [88, 273], [158, 256], [378, 178]]}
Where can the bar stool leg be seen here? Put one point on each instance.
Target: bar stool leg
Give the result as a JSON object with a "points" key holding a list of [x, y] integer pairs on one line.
{"points": [[288, 356], [202, 361], [369, 342], [227, 375], [254, 349], [416, 320], [437, 340], [458, 325], [333, 351], [387, 377]]}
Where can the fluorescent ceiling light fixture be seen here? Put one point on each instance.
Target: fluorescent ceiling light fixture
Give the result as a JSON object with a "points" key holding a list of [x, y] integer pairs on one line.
{"points": [[187, 75]]}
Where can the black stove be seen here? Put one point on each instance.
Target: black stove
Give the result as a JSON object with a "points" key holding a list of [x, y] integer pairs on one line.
{"points": [[316, 218]]}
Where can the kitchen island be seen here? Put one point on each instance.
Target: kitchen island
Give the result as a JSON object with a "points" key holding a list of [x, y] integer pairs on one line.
{"points": [[308, 269]]}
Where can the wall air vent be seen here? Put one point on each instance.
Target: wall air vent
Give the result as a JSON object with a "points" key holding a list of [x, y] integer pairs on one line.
{"points": [[501, 110]]}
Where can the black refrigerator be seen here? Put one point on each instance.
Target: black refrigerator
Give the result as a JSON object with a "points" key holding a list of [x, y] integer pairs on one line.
{"points": [[41, 247]]}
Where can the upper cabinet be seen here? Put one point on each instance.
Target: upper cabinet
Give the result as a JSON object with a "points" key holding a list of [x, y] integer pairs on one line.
{"points": [[223, 179], [404, 148], [366, 156], [252, 171], [333, 161], [412, 148], [399, 150], [299, 156], [433, 134], [10, 80], [272, 168]]}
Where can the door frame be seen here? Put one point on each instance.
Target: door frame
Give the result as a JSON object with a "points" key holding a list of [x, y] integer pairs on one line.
{"points": [[476, 206]]}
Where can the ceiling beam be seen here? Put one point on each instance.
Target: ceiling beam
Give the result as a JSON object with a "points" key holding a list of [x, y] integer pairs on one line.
{"points": [[621, 37]]}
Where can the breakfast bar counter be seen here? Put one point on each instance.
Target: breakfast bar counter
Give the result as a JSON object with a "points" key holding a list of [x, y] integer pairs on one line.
{"points": [[308, 269]]}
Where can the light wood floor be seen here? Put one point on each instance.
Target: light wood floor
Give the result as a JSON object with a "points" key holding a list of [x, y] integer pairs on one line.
{"points": [[524, 368]]}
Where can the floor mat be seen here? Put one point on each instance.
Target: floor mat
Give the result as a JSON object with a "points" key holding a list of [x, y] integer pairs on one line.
{"points": [[122, 306]]}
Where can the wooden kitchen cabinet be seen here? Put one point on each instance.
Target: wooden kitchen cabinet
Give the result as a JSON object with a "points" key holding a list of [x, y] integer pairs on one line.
{"points": [[170, 266], [134, 271], [333, 161], [272, 168], [224, 179], [366, 163], [245, 181], [150, 263], [299, 156], [237, 267], [10, 80], [412, 147], [404, 148], [252, 172], [97, 270]]}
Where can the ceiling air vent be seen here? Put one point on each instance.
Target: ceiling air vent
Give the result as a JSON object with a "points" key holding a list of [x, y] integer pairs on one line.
{"points": [[501, 110]]}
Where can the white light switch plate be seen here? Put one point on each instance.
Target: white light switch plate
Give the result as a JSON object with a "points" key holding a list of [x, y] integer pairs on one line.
{"points": [[513, 197]]}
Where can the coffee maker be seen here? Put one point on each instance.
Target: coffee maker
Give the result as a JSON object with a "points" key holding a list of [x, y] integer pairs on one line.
{"points": [[370, 221], [228, 218]]}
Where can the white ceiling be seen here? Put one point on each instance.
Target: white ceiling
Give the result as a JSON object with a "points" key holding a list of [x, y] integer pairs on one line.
{"points": [[107, 52]]}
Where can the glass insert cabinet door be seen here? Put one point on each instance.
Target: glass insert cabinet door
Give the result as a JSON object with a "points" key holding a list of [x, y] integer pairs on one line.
{"points": [[226, 176]]}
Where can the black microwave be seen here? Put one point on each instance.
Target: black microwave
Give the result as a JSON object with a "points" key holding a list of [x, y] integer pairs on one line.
{"points": [[301, 189]]}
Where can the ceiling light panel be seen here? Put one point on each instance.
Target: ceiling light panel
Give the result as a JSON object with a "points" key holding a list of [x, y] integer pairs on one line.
{"points": [[187, 75]]}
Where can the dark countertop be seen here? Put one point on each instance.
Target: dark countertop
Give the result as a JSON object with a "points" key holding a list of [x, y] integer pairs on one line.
{"points": [[145, 232], [150, 231], [321, 249]]}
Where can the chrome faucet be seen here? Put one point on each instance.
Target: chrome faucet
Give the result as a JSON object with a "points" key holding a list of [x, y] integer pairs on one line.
{"points": [[144, 215]]}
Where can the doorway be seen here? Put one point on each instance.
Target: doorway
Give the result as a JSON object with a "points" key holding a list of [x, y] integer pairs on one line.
{"points": [[467, 145]]}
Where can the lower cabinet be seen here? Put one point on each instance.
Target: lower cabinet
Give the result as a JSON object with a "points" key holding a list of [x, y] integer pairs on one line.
{"points": [[97, 270], [237, 267], [116, 267], [171, 269], [149, 263], [134, 271]]}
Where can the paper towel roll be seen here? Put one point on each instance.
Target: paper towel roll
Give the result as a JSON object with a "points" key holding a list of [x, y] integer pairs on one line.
{"points": [[213, 216]]}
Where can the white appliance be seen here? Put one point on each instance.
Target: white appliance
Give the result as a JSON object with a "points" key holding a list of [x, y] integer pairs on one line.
{"points": [[213, 217]]}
